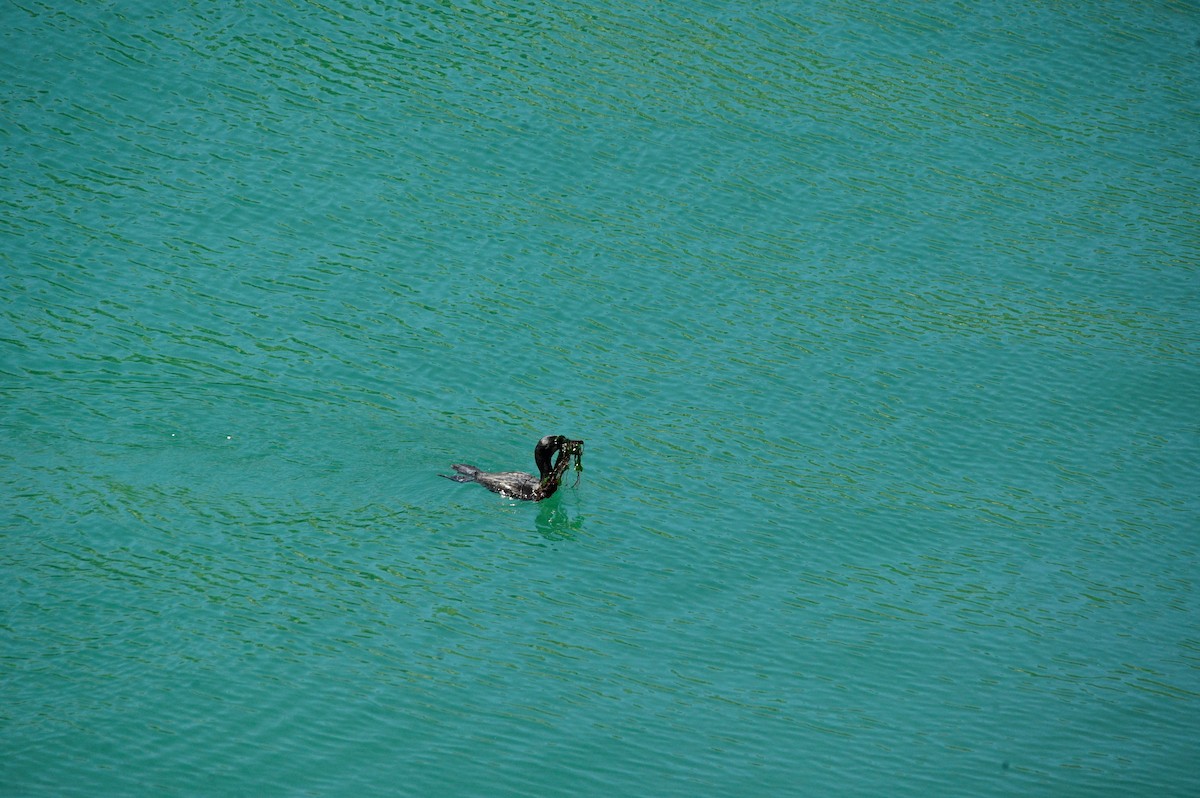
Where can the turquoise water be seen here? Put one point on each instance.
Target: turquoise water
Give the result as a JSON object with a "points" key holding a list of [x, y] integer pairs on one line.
{"points": [[880, 323]]}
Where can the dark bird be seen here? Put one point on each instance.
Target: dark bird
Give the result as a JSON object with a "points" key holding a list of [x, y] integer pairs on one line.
{"points": [[518, 484]]}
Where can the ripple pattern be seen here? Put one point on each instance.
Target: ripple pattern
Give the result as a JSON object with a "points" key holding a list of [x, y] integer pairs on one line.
{"points": [[880, 325]]}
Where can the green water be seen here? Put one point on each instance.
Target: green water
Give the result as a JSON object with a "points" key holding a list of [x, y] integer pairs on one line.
{"points": [[879, 320]]}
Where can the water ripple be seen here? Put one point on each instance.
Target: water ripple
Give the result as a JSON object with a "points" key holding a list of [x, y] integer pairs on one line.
{"points": [[880, 328]]}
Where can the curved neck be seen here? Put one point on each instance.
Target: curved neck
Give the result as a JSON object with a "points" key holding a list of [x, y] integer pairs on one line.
{"points": [[541, 456], [550, 481]]}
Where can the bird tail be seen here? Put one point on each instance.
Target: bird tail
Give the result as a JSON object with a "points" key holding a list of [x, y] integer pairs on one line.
{"points": [[466, 473]]}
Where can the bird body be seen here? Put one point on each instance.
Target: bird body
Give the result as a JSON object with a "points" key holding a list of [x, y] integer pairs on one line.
{"points": [[518, 484]]}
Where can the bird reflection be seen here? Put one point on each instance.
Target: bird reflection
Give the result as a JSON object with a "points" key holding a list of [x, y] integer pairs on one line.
{"points": [[554, 522]]}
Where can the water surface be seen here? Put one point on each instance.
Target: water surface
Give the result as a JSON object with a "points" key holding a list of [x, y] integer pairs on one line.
{"points": [[880, 325]]}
